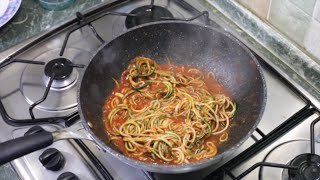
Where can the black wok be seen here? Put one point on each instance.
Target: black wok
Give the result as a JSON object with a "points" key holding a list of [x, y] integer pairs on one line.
{"points": [[185, 43]]}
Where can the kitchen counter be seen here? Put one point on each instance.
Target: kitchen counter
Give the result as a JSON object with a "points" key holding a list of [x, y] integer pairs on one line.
{"points": [[32, 19]]}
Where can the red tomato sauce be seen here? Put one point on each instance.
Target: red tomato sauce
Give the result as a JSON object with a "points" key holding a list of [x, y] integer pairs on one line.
{"points": [[210, 84]]}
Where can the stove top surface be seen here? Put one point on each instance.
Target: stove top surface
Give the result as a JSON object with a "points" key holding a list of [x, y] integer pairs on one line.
{"points": [[25, 85]]}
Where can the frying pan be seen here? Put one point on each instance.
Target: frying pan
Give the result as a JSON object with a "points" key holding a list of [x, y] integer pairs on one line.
{"points": [[185, 43]]}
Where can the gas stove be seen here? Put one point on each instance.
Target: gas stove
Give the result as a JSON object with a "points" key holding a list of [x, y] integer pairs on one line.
{"points": [[39, 88]]}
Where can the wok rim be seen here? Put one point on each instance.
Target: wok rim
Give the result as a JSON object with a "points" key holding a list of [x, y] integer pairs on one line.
{"points": [[183, 168]]}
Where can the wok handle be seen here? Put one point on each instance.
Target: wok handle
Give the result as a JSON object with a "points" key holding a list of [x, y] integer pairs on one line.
{"points": [[76, 131], [21, 146]]}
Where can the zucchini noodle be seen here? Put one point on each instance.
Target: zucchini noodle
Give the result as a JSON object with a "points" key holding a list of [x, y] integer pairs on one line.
{"points": [[167, 114]]}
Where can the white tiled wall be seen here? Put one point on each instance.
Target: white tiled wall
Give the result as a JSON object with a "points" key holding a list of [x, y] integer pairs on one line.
{"points": [[299, 20], [259, 7], [312, 39], [289, 19], [316, 11], [305, 5]]}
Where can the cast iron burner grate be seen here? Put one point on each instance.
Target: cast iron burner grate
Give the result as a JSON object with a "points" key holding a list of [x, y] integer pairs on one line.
{"points": [[147, 14], [305, 166], [61, 68], [309, 167]]}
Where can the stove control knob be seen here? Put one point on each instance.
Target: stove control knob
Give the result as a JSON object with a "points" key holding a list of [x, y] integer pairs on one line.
{"points": [[68, 176], [52, 159], [34, 130]]}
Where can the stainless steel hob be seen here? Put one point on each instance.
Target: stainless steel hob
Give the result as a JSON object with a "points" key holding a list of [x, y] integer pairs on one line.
{"points": [[282, 138]]}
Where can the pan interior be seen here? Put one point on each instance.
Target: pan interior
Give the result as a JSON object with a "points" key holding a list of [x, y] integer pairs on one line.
{"points": [[184, 43]]}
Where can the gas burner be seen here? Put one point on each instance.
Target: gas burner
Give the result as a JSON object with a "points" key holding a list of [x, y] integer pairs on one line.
{"points": [[61, 67], [64, 73], [119, 22], [145, 14], [309, 167], [286, 153], [63, 91]]}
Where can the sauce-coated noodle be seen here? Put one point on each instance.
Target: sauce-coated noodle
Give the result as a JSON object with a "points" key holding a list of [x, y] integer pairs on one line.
{"points": [[167, 114]]}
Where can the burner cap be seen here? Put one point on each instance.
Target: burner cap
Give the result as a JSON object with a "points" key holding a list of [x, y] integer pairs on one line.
{"points": [[146, 15], [61, 67], [309, 167]]}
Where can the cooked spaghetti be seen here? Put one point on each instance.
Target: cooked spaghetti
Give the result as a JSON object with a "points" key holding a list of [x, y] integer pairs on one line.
{"points": [[167, 114]]}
